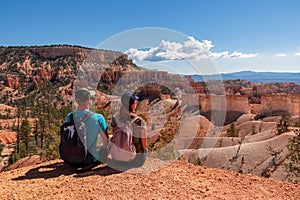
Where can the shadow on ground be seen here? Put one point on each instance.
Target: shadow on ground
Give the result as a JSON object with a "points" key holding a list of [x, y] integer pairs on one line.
{"points": [[57, 169]]}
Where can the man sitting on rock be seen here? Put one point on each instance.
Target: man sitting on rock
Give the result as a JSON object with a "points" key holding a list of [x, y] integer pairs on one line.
{"points": [[95, 125]]}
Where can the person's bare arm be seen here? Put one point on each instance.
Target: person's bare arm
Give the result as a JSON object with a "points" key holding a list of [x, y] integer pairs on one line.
{"points": [[144, 138]]}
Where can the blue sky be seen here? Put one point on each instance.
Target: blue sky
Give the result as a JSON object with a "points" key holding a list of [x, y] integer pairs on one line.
{"points": [[259, 35]]}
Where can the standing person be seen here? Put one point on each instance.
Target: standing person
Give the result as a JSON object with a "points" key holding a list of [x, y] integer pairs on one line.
{"points": [[127, 114], [95, 125]]}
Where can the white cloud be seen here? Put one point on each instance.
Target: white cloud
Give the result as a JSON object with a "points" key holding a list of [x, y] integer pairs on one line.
{"points": [[134, 53], [281, 55], [297, 54], [242, 55], [190, 49], [223, 54]]}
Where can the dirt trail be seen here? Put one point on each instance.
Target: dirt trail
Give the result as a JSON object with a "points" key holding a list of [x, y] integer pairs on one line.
{"points": [[178, 180]]}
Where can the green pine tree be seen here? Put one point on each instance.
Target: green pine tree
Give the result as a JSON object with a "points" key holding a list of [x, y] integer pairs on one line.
{"points": [[293, 146], [25, 131]]}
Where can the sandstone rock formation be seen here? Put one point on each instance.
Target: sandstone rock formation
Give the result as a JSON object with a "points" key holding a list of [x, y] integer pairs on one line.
{"points": [[277, 102], [253, 151], [25, 70]]}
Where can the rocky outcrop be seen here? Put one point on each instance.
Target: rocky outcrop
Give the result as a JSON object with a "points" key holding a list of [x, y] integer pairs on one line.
{"points": [[287, 103], [11, 81], [218, 108], [232, 103], [30, 69], [219, 102], [270, 104], [253, 90]]}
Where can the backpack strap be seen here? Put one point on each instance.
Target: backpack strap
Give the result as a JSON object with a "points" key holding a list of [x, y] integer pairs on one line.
{"points": [[72, 118], [87, 116], [133, 120], [140, 139], [85, 119]]}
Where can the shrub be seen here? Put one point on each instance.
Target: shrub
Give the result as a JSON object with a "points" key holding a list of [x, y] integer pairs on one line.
{"points": [[167, 152], [293, 165], [253, 130], [297, 124], [52, 140], [232, 132], [282, 125], [102, 112], [14, 158], [273, 164], [198, 161], [144, 117]]}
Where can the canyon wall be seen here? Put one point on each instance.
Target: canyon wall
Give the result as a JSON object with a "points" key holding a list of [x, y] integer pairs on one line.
{"points": [[218, 102], [230, 103], [276, 102], [269, 103]]}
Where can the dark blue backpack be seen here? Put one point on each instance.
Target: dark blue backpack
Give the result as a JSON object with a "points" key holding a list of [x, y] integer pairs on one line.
{"points": [[73, 143]]}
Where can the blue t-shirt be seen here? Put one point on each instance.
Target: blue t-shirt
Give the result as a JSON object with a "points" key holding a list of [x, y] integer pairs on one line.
{"points": [[95, 125]]}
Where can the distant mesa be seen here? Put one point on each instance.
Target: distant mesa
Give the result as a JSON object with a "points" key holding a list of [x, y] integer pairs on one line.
{"points": [[252, 76]]}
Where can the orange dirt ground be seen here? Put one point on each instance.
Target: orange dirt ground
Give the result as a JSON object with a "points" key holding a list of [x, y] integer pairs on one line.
{"points": [[178, 180]]}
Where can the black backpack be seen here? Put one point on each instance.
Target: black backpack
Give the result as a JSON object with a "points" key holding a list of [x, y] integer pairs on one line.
{"points": [[73, 143]]}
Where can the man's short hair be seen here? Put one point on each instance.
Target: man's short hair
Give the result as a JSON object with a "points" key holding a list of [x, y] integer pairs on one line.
{"points": [[83, 94]]}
